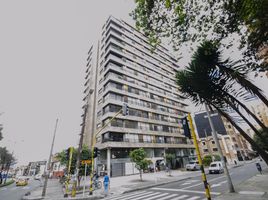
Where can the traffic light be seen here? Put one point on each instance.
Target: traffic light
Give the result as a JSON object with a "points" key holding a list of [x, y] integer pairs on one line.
{"points": [[67, 153], [96, 152], [186, 128], [125, 109]]}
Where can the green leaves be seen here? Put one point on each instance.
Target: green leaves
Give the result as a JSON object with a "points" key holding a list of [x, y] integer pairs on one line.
{"points": [[138, 157], [85, 155], [260, 142], [187, 21]]}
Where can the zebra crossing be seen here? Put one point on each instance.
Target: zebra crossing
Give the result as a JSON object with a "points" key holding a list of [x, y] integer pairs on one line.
{"points": [[155, 195]]}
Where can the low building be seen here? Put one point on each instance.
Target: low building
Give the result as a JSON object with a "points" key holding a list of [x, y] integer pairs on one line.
{"points": [[261, 111], [234, 147]]}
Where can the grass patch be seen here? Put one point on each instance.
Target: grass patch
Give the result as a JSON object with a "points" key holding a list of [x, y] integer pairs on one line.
{"points": [[7, 183]]}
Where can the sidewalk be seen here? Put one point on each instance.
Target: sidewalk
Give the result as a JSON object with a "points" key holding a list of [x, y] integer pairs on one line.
{"points": [[254, 188], [54, 190]]}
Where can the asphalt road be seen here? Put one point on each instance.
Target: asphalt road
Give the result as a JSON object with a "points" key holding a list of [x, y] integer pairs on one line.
{"points": [[12, 192], [193, 189]]}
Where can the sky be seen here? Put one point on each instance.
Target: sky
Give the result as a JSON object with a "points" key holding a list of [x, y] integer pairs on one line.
{"points": [[43, 48]]}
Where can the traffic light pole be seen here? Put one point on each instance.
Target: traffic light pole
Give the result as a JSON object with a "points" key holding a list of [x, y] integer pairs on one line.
{"points": [[69, 169], [204, 178], [92, 149]]}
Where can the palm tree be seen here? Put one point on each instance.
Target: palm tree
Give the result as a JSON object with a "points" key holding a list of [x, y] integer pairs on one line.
{"points": [[204, 78], [225, 76], [208, 54]]}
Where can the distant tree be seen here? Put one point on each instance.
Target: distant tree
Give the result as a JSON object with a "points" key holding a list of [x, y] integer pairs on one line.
{"points": [[85, 155], [1, 130], [260, 142], [217, 157], [169, 157], [207, 160], [138, 157], [6, 160]]}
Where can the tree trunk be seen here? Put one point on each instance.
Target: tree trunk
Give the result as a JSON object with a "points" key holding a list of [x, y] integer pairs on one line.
{"points": [[263, 154], [141, 174], [79, 181]]}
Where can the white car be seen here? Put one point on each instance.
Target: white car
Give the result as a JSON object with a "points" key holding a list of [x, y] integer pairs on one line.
{"points": [[193, 165], [216, 167], [38, 177]]}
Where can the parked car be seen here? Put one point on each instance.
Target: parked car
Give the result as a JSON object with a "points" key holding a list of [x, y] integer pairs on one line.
{"points": [[193, 165], [38, 177], [216, 167], [21, 182]]}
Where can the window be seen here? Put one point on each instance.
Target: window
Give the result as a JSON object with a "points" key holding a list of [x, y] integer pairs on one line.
{"points": [[205, 150], [99, 113], [215, 149], [204, 143], [213, 142], [131, 124], [117, 123]]}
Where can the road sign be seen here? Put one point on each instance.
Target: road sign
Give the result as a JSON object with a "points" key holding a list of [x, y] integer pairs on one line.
{"points": [[85, 162]]}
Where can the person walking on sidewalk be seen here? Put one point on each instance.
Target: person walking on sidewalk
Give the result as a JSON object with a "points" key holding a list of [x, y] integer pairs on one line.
{"points": [[106, 183], [258, 165]]}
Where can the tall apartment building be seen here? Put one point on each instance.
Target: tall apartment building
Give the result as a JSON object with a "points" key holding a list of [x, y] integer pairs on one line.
{"points": [[125, 70], [234, 147]]}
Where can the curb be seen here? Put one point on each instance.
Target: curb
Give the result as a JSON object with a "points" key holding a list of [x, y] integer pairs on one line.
{"points": [[7, 183], [155, 185], [69, 198]]}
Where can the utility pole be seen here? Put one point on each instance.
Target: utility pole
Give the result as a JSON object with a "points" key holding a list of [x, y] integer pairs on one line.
{"points": [[230, 184], [79, 151], [49, 161]]}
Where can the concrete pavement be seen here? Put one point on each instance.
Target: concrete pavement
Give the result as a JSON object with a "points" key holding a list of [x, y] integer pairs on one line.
{"points": [[254, 188]]}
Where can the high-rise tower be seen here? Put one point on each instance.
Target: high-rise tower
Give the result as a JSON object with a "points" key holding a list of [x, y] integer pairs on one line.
{"points": [[126, 70]]}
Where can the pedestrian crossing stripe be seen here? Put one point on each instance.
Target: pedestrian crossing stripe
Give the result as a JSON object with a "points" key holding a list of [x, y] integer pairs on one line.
{"points": [[129, 195], [148, 195]]}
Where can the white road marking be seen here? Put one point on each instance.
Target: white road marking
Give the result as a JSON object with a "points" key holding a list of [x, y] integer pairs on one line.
{"points": [[14, 188], [214, 179], [2, 189], [26, 188], [130, 195], [167, 197], [157, 196], [218, 184], [148, 195], [252, 192], [193, 198], [190, 182], [180, 197], [182, 190]]}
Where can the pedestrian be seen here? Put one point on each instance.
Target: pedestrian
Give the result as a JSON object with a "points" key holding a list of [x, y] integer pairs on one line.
{"points": [[258, 165], [1, 178], [106, 183]]}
